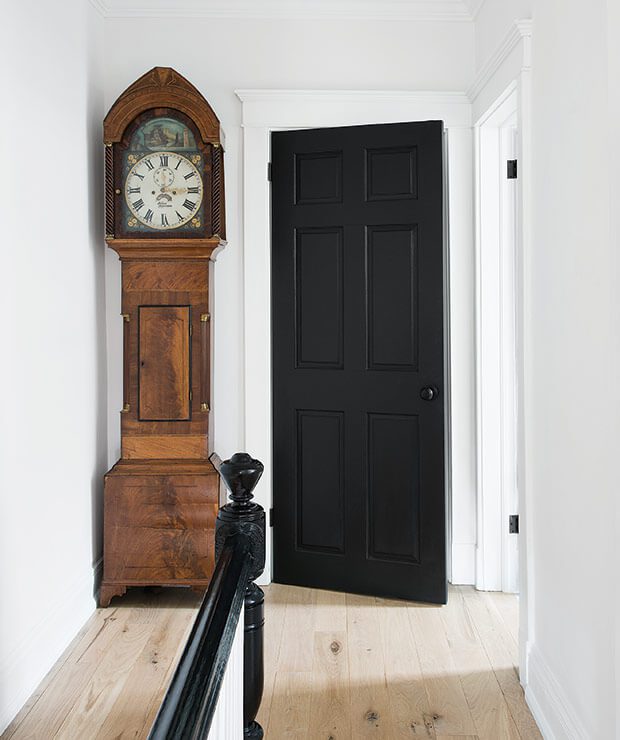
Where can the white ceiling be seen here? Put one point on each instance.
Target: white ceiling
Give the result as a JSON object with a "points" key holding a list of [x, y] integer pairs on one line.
{"points": [[397, 10]]}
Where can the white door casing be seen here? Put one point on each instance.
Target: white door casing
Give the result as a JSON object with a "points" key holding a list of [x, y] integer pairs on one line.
{"points": [[510, 66], [269, 110], [496, 407]]}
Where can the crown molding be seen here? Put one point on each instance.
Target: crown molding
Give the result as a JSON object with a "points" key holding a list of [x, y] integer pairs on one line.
{"points": [[520, 31], [350, 96], [99, 7], [378, 10], [474, 7]]}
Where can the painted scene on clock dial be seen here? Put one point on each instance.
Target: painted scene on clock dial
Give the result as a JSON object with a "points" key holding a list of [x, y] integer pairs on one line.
{"points": [[163, 179], [163, 134]]}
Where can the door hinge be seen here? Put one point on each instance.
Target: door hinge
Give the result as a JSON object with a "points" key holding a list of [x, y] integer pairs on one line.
{"points": [[191, 330], [269, 171], [511, 169], [271, 517], [513, 524], [191, 396]]}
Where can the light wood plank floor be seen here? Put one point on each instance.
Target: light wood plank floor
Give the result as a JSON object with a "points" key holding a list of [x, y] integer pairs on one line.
{"points": [[337, 666]]}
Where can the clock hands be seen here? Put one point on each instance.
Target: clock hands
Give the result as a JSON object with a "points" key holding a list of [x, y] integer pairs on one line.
{"points": [[173, 190]]}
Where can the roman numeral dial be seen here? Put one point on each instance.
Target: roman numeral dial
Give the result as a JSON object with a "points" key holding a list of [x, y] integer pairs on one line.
{"points": [[157, 188]]}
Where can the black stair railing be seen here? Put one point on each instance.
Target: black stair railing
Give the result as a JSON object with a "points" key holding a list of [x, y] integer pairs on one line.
{"points": [[188, 707]]}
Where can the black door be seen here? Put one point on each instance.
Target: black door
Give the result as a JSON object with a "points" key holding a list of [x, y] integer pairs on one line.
{"points": [[358, 396]]}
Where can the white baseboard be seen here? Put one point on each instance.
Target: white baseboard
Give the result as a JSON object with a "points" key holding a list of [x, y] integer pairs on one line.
{"points": [[27, 664], [552, 710], [463, 564]]}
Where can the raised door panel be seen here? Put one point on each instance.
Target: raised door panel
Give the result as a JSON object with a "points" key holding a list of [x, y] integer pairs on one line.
{"points": [[393, 487], [164, 363], [391, 290], [319, 298], [320, 480], [318, 178], [391, 173]]}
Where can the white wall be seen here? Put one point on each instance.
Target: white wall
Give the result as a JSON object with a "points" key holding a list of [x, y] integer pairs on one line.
{"points": [[222, 55], [493, 22], [570, 347], [613, 86], [52, 374], [572, 344]]}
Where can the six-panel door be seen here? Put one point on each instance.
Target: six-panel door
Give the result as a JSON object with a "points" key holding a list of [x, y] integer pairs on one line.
{"points": [[358, 368]]}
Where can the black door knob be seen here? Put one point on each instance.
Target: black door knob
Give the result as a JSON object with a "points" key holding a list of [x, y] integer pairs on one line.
{"points": [[428, 393]]}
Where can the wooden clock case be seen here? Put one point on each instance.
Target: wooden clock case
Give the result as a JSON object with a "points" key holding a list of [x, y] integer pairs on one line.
{"points": [[162, 497]]}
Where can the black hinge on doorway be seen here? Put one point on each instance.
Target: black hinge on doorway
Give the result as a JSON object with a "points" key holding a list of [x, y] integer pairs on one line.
{"points": [[271, 517], [511, 169], [269, 171], [513, 524]]}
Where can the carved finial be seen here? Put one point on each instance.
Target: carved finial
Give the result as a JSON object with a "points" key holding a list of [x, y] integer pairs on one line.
{"points": [[241, 474]]}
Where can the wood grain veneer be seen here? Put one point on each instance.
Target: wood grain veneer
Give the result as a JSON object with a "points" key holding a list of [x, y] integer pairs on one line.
{"points": [[172, 446]]}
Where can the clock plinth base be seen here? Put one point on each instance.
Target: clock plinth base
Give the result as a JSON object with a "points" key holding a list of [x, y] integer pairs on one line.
{"points": [[159, 522]]}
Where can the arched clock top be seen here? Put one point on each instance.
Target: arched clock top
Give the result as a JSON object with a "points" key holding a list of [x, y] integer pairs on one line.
{"points": [[164, 171], [161, 87]]}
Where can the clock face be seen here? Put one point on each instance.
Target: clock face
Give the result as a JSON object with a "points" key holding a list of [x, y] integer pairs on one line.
{"points": [[163, 190]]}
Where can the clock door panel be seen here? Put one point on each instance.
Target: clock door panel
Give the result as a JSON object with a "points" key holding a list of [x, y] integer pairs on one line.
{"points": [[164, 363], [158, 287]]}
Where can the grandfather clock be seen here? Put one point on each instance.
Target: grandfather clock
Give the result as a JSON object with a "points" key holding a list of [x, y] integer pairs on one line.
{"points": [[164, 216]]}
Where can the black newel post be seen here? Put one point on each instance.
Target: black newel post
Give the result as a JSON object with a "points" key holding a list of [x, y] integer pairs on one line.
{"points": [[241, 474]]}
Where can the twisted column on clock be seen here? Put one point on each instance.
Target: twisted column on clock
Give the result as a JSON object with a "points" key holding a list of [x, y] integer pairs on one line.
{"points": [[218, 189], [242, 516]]}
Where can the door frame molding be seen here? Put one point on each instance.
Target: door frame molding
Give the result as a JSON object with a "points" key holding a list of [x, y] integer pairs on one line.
{"points": [[496, 360], [264, 111], [511, 65]]}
